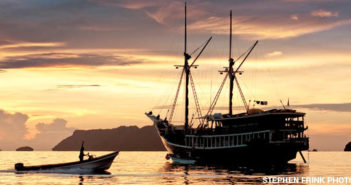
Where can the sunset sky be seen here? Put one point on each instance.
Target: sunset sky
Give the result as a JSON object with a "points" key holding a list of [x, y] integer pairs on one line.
{"points": [[88, 64]]}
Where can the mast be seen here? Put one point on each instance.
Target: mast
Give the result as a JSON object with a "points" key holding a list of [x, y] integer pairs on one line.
{"points": [[187, 72], [230, 69], [188, 78]]}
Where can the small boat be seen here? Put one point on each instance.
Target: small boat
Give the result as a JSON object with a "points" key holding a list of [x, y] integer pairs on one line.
{"points": [[178, 160], [98, 164]]}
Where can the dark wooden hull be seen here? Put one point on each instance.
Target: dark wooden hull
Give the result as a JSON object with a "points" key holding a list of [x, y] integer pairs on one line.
{"points": [[252, 154], [234, 145], [101, 163]]}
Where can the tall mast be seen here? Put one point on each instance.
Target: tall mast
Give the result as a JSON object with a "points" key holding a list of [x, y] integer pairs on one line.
{"points": [[185, 32], [230, 70], [187, 72]]}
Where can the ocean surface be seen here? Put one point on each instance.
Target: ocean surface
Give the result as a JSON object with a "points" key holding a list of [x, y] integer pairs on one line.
{"points": [[153, 168]]}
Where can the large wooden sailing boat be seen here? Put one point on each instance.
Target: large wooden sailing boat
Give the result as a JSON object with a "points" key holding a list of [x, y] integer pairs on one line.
{"points": [[273, 136]]}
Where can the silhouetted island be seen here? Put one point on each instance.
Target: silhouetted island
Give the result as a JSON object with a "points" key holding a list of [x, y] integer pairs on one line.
{"points": [[25, 148], [123, 138], [348, 147]]}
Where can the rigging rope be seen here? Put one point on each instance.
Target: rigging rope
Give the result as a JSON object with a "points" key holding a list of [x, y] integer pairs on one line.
{"points": [[176, 97], [197, 104], [213, 104], [198, 48], [241, 94]]}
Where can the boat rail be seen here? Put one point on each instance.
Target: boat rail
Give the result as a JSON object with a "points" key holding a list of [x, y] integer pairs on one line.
{"points": [[227, 140], [240, 140]]}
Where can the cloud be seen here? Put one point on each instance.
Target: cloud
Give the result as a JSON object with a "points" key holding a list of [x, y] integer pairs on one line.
{"points": [[13, 132], [63, 60], [260, 24], [30, 44], [12, 129], [145, 23], [162, 11], [168, 11], [294, 17], [132, 4], [339, 107], [99, 28], [324, 13], [51, 134], [265, 27], [274, 54], [77, 86], [336, 107], [307, 0]]}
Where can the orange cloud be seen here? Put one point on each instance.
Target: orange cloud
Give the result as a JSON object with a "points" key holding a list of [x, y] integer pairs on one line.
{"points": [[274, 54], [63, 60], [31, 44], [324, 13], [264, 28], [294, 17], [135, 4]]}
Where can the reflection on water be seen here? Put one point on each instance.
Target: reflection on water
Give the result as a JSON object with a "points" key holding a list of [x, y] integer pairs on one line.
{"points": [[234, 174], [287, 169], [152, 168], [81, 180]]}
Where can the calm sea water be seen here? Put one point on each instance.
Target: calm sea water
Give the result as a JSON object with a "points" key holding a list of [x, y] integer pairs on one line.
{"points": [[153, 168]]}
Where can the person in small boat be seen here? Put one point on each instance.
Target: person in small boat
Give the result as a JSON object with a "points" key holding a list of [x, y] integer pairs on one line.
{"points": [[81, 154], [90, 157]]}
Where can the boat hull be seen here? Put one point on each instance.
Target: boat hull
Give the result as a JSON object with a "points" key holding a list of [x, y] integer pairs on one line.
{"points": [[255, 147], [93, 165], [263, 154]]}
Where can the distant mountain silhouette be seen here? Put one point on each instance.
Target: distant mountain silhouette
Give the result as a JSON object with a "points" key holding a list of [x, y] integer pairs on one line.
{"points": [[348, 147], [122, 138], [25, 148]]}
